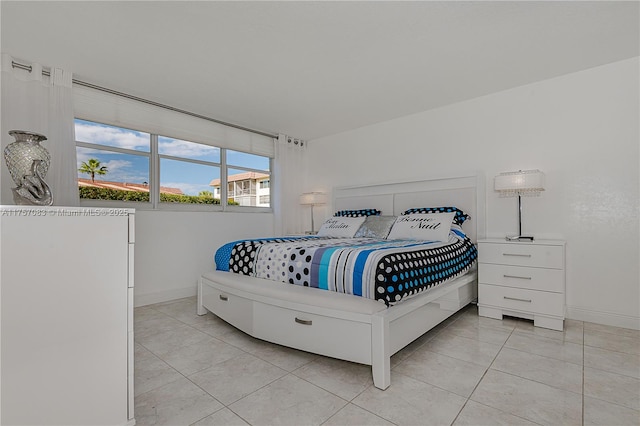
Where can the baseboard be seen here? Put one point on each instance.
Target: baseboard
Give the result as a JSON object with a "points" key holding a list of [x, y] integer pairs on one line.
{"points": [[600, 317], [163, 296]]}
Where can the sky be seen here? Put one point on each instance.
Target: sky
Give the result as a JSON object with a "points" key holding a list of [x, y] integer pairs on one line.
{"points": [[191, 178]]}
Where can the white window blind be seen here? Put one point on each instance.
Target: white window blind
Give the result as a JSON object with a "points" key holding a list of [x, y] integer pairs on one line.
{"points": [[95, 105]]}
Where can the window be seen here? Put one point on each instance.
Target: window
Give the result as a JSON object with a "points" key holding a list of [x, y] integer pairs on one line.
{"points": [[113, 162], [186, 171], [119, 164], [245, 176]]}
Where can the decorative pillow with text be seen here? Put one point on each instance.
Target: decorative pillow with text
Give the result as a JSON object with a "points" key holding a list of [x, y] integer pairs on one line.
{"points": [[424, 226], [345, 227]]}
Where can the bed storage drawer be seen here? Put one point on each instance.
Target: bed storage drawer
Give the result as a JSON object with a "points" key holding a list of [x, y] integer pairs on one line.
{"points": [[234, 309], [350, 340]]}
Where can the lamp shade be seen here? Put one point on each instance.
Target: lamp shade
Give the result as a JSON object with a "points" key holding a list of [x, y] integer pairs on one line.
{"points": [[522, 182], [313, 198]]}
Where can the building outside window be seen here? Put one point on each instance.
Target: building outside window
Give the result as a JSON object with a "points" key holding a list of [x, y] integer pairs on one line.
{"points": [[246, 189]]}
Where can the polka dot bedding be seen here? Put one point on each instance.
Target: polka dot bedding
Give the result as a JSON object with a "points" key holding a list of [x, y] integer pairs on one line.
{"points": [[384, 270]]}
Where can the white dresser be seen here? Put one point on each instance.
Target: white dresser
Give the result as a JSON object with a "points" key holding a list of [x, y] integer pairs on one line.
{"points": [[522, 279], [66, 276]]}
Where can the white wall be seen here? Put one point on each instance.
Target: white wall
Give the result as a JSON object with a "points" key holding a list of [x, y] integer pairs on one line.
{"points": [[174, 248], [581, 129]]}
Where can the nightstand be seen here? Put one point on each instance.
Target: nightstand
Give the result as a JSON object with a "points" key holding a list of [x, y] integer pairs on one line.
{"points": [[522, 279]]}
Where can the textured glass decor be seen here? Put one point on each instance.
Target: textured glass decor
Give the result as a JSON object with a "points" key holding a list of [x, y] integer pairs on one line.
{"points": [[28, 163]]}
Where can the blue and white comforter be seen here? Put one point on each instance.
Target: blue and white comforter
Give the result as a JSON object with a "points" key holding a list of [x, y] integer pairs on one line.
{"points": [[384, 270]]}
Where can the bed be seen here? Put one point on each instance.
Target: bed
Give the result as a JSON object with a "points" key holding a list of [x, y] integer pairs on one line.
{"points": [[346, 326]]}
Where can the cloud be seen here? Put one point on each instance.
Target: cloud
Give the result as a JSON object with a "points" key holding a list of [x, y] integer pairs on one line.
{"points": [[115, 165], [112, 136], [180, 148]]}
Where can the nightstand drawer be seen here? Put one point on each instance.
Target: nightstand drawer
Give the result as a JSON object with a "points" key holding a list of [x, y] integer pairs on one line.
{"points": [[522, 300], [522, 277], [540, 256]]}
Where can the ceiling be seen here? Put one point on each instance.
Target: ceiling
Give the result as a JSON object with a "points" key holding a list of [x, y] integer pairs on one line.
{"points": [[312, 69]]}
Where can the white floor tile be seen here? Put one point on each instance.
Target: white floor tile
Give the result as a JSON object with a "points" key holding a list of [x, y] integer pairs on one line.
{"points": [[470, 370], [462, 348], [150, 372], [614, 362], [454, 375], [411, 402], [288, 401], [177, 403], [602, 413], [476, 414], [224, 417], [281, 356], [168, 341], [342, 378], [552, 348], [612, 342], [612, 387], [236, 378], [619, 331], [354, 415], [573, 331], [479, 332], [152, 325], [552, 372], [189, 359], [531, 400]]}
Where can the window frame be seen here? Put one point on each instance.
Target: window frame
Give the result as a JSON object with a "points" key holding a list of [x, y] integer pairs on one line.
{"points": [[154, 157]]}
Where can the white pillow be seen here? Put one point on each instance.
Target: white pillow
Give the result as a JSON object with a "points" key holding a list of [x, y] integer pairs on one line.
{"points": [[345, 227], [428, 227]]}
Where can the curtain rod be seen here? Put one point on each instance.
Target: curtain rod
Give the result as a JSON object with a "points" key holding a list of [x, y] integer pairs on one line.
{"points": [[28, 68]]}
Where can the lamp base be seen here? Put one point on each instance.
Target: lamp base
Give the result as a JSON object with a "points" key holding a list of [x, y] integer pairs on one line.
{"points": [[519, 238]]}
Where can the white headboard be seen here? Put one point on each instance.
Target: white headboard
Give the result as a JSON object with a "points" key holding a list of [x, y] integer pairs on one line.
{"points": [[466, 192]]}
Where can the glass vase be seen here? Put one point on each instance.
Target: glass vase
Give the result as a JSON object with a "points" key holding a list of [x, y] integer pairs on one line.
{"points": [[28, 163]]}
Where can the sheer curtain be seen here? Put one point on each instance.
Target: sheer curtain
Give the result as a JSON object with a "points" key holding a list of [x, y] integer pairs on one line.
{"points": [[289, 172], [36, 103]]}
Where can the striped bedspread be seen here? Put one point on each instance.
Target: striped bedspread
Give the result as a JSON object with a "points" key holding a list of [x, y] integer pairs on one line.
{"points": [[384, 270]]}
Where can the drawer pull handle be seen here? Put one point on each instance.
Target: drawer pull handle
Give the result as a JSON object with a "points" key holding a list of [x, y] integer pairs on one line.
{"points": [[516, 254], [515, 276], [223, 297], [519, 300], [303, 321]]}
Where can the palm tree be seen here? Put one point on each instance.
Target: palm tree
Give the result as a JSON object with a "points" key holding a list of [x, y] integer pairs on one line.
{"points": [[93, 168]]}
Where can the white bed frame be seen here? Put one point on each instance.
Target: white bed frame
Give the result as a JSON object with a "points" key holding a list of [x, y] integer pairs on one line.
{"points": [[344, 326]]}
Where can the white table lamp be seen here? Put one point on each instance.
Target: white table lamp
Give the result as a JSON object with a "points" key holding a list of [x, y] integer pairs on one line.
{"points": [[313, 199], [523, 183]]}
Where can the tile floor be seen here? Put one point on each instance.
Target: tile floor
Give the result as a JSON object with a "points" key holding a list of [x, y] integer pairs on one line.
{"points": [[192, 370]]}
